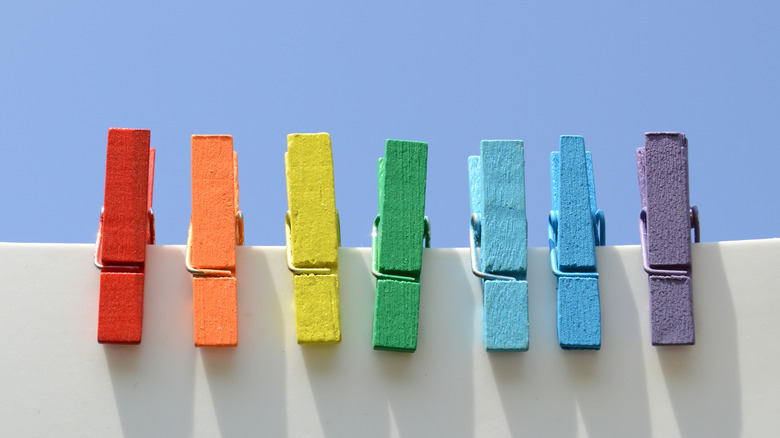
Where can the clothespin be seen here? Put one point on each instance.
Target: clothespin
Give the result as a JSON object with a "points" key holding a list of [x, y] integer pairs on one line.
{"points": [[575, 228], [126, 226], [313, 238], [216, 227], [397, 242], [500, 230], [665, 224]]}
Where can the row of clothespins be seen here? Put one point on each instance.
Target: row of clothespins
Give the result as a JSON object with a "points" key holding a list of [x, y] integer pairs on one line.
{"points": [[498, 240]]}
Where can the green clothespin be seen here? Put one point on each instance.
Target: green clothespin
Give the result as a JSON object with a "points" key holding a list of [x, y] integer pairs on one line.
{"points": [[399, 231]]}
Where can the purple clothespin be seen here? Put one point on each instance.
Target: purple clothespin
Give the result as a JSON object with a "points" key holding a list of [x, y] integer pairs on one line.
{"points": [[665, 224]]}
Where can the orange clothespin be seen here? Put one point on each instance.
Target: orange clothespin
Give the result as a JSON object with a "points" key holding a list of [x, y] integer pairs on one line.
{"points": [[216, 227], [126, 226]]}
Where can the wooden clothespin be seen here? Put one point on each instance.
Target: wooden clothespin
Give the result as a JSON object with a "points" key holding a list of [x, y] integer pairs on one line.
{"points": [[575, 228], [313, 238], [126, 226], [500, 230], [665, 224], [399, 231], [216, 227]]}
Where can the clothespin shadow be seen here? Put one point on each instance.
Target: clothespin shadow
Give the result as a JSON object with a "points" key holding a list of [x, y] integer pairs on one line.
{"points": [[397, 242], [499, 232], [216, 227], [665, 224], [126, 226], [313, 237], [575, 228]]}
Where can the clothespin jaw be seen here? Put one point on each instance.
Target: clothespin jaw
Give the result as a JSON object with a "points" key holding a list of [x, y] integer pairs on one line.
{"points": [[397, 242], [575, 228], [216, 227], [313, 237], [499, 230], [126, 226], [665, 224]]}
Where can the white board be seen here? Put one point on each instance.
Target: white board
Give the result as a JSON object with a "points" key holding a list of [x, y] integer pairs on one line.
{"points": [[56, 380]]}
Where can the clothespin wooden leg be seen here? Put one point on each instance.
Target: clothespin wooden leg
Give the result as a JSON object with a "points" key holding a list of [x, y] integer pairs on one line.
{"points": [[505, 315], [671, 310], [317, 306], [396, 315], [121, 307], [579, 313], [215, 311]]}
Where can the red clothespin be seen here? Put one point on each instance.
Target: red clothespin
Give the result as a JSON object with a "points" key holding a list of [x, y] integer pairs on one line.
{"points": [[126, 226]]}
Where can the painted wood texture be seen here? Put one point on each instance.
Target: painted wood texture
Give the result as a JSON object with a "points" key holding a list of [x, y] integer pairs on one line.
{"points": [[317, 308], [662, 167], [665, 162], [504, 226], [121, 307], [497, 189], [505, 315], [401, 175], [396, 315], [214, 236], [125, 200], [213, 203], [579, 313], [579, 309], [576, 240], [214, 311], [125, 231], [313, 238]]}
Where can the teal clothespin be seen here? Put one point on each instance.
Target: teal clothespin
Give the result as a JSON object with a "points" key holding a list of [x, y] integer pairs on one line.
{"points": [[576, 227], [500, 230], [397, 243]]}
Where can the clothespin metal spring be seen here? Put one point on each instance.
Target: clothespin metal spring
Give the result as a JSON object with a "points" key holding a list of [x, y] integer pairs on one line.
{"points": [[213, 272], [694, 215], [600, 232], [475, 237], [374, 258], [98, 260], [287, 233]]}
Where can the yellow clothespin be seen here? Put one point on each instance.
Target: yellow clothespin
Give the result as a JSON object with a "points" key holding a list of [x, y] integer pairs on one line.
{"points": [[313, 237]]}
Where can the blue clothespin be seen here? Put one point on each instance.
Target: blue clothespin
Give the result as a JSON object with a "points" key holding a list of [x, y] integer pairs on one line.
{"points": [[500, 230], [576, 227]]}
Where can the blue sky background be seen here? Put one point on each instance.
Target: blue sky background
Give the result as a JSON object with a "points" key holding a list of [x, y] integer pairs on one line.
{"points": [[364, 72]]}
